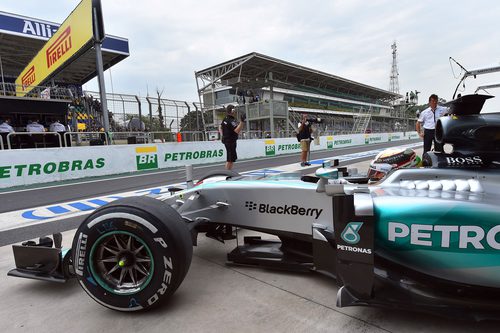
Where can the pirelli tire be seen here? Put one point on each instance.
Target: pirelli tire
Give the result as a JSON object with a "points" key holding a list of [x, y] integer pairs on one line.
{"points": [[132, 254]]}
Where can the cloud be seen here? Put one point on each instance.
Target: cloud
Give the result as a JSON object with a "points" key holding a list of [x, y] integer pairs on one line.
{"points": [[169, 40]]}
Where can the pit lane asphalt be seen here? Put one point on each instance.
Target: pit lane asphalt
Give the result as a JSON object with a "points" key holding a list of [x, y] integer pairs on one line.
{"points": [[214, 297]]}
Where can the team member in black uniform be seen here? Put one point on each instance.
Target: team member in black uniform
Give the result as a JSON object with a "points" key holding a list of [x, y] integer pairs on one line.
{"points": [[230, 130]]}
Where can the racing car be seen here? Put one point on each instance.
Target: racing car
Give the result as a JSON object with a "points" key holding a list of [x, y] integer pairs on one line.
{"points": [[425, 239]]}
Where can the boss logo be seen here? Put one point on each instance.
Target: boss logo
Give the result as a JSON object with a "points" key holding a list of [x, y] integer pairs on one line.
{"points": [[473, 160]]}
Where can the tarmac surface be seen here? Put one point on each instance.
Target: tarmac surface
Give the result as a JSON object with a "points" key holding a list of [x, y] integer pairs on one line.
{"points": [[214, 297]]}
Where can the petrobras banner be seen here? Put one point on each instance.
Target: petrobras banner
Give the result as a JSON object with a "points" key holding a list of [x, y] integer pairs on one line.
{"points": [[32, 166], [29, 166], [73, 35]]}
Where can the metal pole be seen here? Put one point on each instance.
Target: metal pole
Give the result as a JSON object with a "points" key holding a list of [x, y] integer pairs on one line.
{"points": [[198, 122], [150, 113], [100, 77], [3, 82], [177, 115], [123, 109], [201, 104], [189, 176]]}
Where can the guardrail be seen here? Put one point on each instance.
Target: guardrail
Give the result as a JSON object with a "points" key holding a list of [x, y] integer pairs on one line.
{"points": [[23, 167], [33, 140], [71, 139]]}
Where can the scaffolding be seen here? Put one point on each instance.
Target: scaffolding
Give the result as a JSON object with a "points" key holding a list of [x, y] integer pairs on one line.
{"points": [[361, 120]]}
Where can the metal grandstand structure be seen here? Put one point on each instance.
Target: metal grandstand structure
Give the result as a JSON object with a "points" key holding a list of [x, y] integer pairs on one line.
{"points": [[282, 81], [361, 120]]}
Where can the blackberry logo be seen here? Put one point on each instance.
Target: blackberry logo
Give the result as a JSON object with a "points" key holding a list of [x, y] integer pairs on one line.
{"points": [[283, 210], [250, 205]]}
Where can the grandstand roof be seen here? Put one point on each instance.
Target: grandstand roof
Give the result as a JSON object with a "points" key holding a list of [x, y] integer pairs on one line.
{"points": [[22, 37], [253, 70]]}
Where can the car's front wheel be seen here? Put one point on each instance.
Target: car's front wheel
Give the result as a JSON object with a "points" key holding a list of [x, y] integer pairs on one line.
{"points": [[132, 254]]}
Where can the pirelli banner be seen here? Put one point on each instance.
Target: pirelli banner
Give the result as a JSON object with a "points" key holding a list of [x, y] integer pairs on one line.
{"points": [[74, 37]]}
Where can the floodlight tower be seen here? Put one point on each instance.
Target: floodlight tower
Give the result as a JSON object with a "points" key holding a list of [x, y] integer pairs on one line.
{"points": [[394, 83]]}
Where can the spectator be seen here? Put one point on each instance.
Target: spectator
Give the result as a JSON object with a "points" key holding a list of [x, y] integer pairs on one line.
{"points": [[305, 131], [5, 129], [35, 127], [229, 128], [428, 119], [5, 126], [56, 126], [32, 141]]}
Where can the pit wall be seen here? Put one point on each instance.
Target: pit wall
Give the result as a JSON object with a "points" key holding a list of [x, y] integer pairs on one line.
{"points": [[35, 166]]}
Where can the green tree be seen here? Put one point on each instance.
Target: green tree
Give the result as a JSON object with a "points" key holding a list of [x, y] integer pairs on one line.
{"points": [[160, 114], [192, 121]]}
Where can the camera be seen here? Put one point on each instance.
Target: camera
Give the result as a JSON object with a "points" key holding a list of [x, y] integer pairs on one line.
{"points": [[243, 117], [315, 120]]}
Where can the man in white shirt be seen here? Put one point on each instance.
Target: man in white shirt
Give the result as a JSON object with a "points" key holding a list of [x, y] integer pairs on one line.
{"points": [[427, 120], [35, 127], [5, 129], [5, 126], [56, 126]]}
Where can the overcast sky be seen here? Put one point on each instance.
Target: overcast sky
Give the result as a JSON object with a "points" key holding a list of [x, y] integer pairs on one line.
{"points": [[169, 40]]}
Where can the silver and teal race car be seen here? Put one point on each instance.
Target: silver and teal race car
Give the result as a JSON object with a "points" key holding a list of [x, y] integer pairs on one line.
{"points": [[426, 239]]}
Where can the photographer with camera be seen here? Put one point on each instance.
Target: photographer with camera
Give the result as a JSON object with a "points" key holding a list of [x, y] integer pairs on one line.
{"points": [[305, 131], [230, 128]]}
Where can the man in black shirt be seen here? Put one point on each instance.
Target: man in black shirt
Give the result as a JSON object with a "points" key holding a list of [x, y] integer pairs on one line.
{"points": [[230, 129], [305, 138]]}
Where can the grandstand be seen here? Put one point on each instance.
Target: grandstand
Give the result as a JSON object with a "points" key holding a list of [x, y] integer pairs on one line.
{"points": [[257, 81], [22, 37], [272, 92]]}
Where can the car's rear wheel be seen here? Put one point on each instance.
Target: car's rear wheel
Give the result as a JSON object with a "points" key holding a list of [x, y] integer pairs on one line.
{"points": [[132, 254]]}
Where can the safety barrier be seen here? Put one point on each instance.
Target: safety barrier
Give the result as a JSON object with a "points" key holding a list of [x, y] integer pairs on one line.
{"points": [[29, 166]]}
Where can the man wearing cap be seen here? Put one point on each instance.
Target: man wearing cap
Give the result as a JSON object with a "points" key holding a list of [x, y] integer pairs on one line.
{"points": [[230, 128]]}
